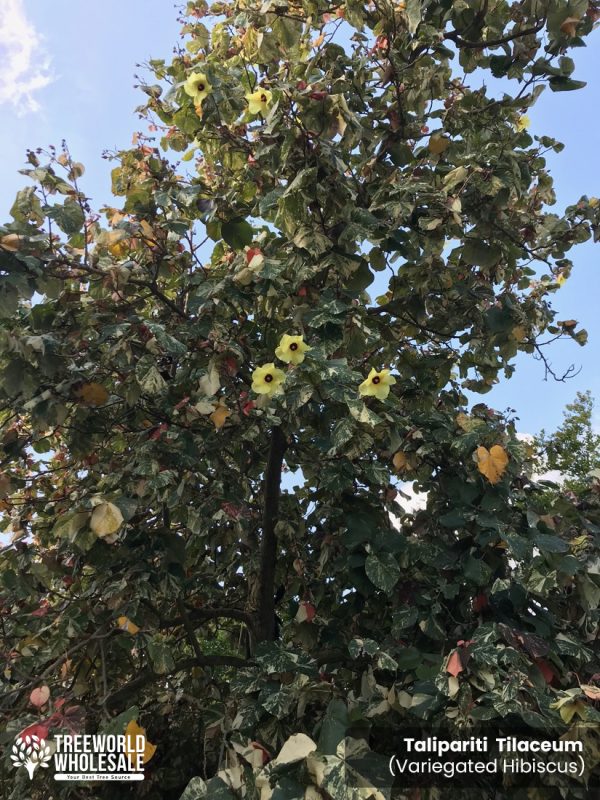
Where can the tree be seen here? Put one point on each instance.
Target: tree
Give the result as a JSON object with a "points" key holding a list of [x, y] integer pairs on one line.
{"points": [[167, 361], [574, 448]]}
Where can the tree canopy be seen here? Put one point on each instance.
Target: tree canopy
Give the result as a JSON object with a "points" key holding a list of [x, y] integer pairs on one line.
{"points": [[574, 448], [207, 420]]}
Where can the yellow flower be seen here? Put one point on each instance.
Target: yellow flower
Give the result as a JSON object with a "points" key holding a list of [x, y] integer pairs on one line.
{"points": [[291, 349], [267, 379], [258, 101], [523, 123], [198, 87], [377, 384]]}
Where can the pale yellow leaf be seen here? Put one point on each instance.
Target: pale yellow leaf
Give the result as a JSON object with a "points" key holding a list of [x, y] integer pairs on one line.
{"points": [[296, 748], [106, 519], [11, 242]]}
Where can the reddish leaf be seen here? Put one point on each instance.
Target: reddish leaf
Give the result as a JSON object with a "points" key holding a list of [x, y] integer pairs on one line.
{"points": [[41, 731], [546, 670], [454, 665], [480, 602]]}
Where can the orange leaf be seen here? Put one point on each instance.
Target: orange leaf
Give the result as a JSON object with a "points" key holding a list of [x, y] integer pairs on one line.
{"points": [[569, 26], [125, 624], [93, 394], [400, 461], [219, 416]]}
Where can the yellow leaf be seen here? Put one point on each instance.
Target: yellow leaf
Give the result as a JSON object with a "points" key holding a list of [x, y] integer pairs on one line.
{"points": [[492, 463], [106, 519], [400, 461], [569, 710], [219, 416], [519, 333], [437, 144], [149, 235], [127, 625], [11, 242], [93, 394], [131, 732]]}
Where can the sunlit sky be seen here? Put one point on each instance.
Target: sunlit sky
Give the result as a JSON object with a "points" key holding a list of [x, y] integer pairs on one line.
{"points": [[68, 73]]}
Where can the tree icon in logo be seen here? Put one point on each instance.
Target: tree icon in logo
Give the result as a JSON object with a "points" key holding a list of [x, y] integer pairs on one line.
{"points": [[31, 752]]}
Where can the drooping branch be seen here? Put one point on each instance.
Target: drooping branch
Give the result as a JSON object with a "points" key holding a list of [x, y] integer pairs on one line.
{"points": [[268, 551]]}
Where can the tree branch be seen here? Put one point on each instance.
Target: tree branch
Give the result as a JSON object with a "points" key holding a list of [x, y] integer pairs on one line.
{"points": [[455, 37], [149, 676], [201, 615], [268, 551]]}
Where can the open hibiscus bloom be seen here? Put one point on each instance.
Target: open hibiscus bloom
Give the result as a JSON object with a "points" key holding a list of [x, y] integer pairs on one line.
{"points": [[267, 379], [291, 349], [377, 384], [259, 101], [198, 87]]}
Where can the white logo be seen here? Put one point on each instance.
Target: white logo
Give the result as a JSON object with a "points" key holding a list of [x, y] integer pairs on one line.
{"points": [[31, 752]]}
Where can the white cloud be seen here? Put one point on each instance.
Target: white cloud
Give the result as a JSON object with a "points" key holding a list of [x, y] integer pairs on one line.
{"points": [[25, 63]]}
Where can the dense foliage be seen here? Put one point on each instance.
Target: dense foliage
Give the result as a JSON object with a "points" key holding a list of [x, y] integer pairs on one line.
{"points": [[165, 361], [574, 448]]}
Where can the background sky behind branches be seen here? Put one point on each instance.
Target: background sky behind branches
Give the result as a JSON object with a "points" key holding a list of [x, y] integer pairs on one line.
{"points": [[67, 71]]}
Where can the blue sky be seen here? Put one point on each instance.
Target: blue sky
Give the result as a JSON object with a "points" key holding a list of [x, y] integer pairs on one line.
{"points": [[68, 72]]}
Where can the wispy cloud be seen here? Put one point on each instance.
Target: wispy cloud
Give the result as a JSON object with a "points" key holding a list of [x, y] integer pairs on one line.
{"points": [[25, 63]]}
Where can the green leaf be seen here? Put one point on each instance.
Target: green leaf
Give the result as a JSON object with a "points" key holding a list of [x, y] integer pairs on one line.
{"points": [[550, 544], [161, 657], [238, 233], [69, 217], [360, 278], [383, 571], [559, 83], [480, 254], [334, 727], [195, 790]]}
